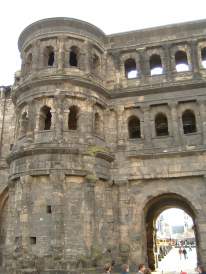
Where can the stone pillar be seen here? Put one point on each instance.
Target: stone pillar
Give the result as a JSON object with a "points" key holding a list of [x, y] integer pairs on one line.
{"points": [[61, 54], [194, 60], [203, 120], [147, 132], [35, 55], [65, 119], [142, 64], [120, 125], [167, 62], [57, 179], [31, 121], [24, 213], [175, 123], [10, 236]]}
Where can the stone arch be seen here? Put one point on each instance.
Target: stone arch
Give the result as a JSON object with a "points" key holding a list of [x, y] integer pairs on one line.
{"points": [[74, 56], [161, 124], [189, 121], [49, 56], [155, 64], [134, 130], [156, 205], [73, 117], [181, 60], [45, 118]]}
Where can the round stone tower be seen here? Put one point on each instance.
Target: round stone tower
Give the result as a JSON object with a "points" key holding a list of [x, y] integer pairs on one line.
{"points": [[60, 163]]}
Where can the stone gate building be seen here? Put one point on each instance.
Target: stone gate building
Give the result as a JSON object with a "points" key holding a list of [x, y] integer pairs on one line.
{"points": [[98, 135]]}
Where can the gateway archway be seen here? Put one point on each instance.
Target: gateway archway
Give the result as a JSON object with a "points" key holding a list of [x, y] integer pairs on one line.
{"points": [[153, 209]]}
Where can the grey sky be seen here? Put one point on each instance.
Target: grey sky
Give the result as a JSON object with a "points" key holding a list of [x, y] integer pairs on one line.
{"points": [[109, 15]]}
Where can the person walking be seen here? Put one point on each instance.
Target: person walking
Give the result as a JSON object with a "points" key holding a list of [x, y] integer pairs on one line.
{"points": [[180, 253], [184, 253], [125, 269], [141, 269]]}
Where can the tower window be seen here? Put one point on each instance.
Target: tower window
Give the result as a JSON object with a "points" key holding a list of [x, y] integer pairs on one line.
{"points": [[49, 57], [49, 209], [45, 118], [134, 127], [181, 61], [161, 125], [203, 57], [73, 119], [156, 65], [130, 68], [73, 57], [189, 122], [32, 240]]}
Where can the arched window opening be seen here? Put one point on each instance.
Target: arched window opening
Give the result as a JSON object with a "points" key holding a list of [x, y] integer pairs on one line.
{"points": [[181, 61], [134, 127], [130, 68], [97, 123], [161, 125], [45, 118], [95, 63], [203, 57], [189, 122], [155, 65], [73, 118], [73, 57], [49, 57], [29, 63]]}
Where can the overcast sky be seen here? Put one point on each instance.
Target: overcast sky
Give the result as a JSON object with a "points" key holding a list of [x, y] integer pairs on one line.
{"points": [[109, 15], [175, 216]]}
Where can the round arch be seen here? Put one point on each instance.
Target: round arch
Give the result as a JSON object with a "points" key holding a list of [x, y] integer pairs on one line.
{"points": [[152, 210]]}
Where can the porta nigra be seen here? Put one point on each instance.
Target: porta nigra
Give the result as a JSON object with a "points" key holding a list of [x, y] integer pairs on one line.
{"points": [[98, 135]]}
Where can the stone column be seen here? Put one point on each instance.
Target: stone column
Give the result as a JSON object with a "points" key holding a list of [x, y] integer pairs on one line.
{"points": [[31, 121], [175, 123], [147, 131], [24, 213], [57, 179], [194, 60], [10, 236], [120, 125], [203, 120], [35, 56], [60, 54], [142, 64], [167, 62], [65, 119]]}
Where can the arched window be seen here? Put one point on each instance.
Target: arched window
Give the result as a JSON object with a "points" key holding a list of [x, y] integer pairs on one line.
{"points": [[155, 64], [189, 122], [73, 57], [161, 125], [49, 57], [203, 57], [73, 118], [181, 61], [45, 118], [130, 68], [134, 127], [29, 63], [97, 123], [95, 63]]}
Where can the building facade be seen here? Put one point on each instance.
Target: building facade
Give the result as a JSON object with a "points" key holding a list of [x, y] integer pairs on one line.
{"points": [[100, 134]]}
